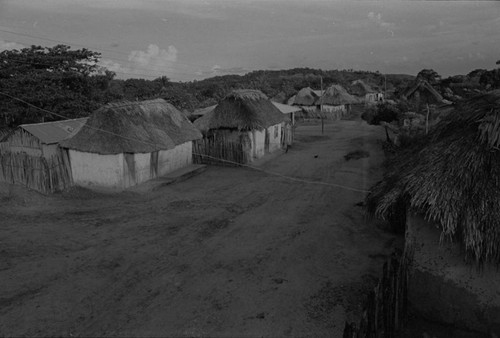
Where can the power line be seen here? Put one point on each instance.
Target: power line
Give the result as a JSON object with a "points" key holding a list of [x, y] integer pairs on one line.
{"points": [[203, 155], [118, 72], [86, 47]]}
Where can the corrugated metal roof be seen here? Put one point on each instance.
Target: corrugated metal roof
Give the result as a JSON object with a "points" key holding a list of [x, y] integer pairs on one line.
{"points": [[286, 109], [54, 132]]}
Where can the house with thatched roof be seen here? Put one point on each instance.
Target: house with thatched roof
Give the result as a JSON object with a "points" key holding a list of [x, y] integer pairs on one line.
{"points": [[365, 92], [306, 97], [127, 143], [243, 127], [40, 139], [446, 189], [421, 94], [197, 113]]}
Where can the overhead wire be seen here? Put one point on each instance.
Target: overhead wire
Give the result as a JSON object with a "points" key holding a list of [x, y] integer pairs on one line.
{"points": [[291, 178], [87, 47], [118, 72]]}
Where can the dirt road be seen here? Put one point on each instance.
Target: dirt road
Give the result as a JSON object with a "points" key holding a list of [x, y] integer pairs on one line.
{"points": [[230, 252]]}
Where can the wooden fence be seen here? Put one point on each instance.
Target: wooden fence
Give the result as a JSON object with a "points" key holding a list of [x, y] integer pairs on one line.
{"points": [[385, 313], [37, 173], [212, 150]]}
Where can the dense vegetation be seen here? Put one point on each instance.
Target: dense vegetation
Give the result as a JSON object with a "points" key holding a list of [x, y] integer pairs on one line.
{"points": [[71, 83]]}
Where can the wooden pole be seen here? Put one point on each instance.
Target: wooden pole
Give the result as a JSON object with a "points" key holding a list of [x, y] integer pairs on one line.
{"points": [[427, 121], [321, 107]]}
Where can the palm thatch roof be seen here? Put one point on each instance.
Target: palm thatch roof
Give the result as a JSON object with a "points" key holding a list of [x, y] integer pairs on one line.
{"points": [[280, 98], [306, 97], [423, 86], [336, 95], [453, 178], [361, 88], [133, 127], [243, 109]]}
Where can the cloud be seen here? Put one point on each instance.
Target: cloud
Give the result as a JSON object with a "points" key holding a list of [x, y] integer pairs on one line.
{"points": [[154, 57], [154, 61], [217, 70], [377, 19], [6, 45]]}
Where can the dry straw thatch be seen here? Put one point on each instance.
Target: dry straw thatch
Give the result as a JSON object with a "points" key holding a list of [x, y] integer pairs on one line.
{"points": [[133, 127], [306, 97], [242, 109], [336, 95], [361, 88], [423, 86], [453, 178]]}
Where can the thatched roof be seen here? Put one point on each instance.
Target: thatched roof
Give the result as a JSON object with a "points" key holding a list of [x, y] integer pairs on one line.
{"points": [[286, 109], [361, 88], [453, 178], [423, 86], [336, 95], [280, 97], [242, 109], [306, 97], [133, 127]]}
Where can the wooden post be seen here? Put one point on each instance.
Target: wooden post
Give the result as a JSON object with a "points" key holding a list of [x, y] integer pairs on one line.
{"points": [[427, 121]]}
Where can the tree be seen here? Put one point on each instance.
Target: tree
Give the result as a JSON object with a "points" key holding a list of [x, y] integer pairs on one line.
{"points": [[383, 112], [429, 75], [56, 79]]}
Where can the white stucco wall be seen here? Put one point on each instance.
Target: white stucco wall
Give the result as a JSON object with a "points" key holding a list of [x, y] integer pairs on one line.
{"points": [[173, 159], [275, 137], [89, 169], [112, 171], [258, 139]]}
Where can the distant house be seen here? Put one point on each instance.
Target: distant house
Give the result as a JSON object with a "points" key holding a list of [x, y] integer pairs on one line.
{"points": [[306, 97], [40, 139], [197, 113], [367, 93], [280, 98], [421, 94], [289, 112], [336, 102], [243, 127], [127, 143]]}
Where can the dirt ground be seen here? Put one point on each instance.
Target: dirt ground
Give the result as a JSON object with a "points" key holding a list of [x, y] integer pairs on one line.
{"points": [[230, 252]]}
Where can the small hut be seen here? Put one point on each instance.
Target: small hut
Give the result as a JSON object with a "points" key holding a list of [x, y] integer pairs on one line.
{"points": [[366, 92], [197, 113], [289, 112], [446, 188], [127, 143], [421, 94], [306, 97], [280, 98], [244, 126], [40, 139]]}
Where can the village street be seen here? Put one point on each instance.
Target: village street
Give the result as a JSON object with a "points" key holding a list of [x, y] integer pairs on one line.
{"points": [[229, 252]]}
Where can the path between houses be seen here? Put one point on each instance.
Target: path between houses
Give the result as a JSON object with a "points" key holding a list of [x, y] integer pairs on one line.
{"points": [[229, 252]]}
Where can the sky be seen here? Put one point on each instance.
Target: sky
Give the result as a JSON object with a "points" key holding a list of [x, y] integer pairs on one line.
{"points": [[189, 40]]}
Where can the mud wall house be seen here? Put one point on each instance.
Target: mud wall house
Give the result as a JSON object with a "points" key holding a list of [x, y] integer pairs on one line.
{"points": [[365, 92], [445, 192], [289, 124], [336, 102], [243, 127], [127, 143]]}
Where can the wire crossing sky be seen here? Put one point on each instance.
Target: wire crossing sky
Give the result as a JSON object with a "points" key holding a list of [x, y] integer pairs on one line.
{"points": [[195, 39]]}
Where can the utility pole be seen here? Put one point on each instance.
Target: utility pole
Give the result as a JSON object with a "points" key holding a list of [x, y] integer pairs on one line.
{"points": [[321, 107], [385, 86]]}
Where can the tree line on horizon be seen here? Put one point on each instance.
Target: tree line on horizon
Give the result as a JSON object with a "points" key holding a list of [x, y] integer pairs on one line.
{"points": [[71, 83]]}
